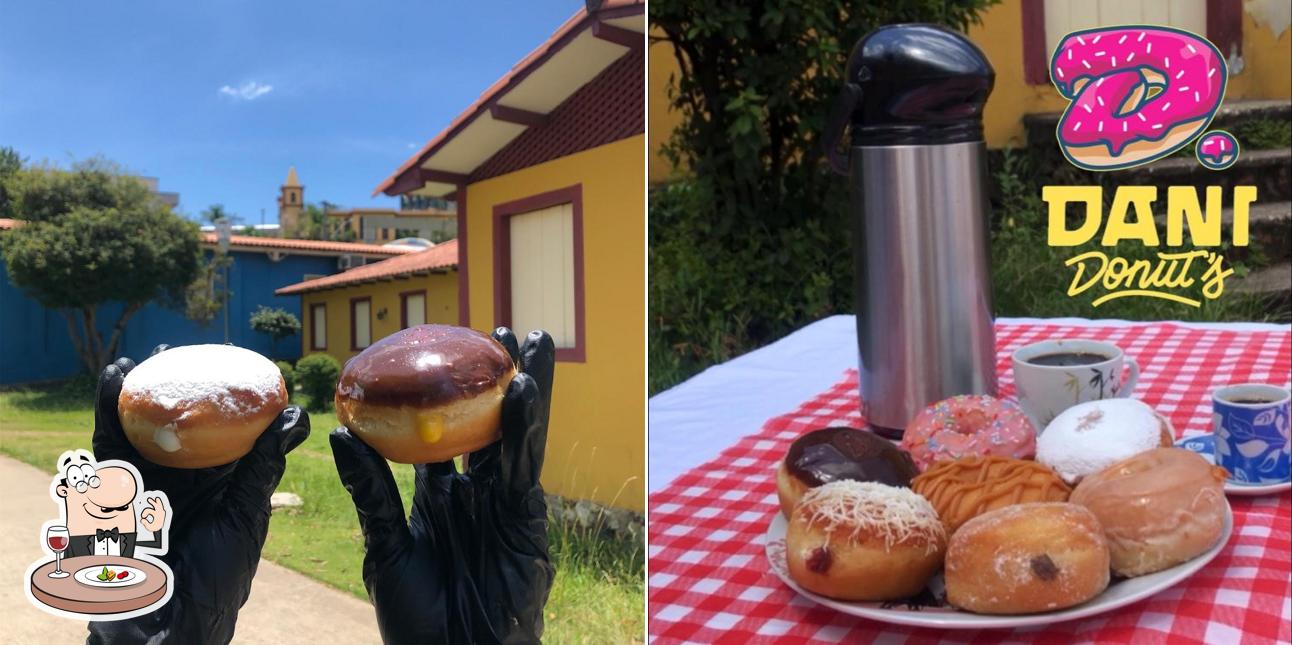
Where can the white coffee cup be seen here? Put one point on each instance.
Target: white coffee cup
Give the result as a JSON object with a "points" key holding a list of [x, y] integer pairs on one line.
{"points": [[1048, 388]]}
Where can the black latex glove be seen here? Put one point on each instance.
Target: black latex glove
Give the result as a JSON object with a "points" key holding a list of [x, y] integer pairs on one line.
{"points": [[219, 518], [470, 565]]}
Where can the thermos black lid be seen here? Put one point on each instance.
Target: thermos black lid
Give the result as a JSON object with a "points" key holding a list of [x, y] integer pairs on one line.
{"points": [[912, 84]]}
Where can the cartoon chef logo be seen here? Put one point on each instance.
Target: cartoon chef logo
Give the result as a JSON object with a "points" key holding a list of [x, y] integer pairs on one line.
{"points": [[100, 564]]}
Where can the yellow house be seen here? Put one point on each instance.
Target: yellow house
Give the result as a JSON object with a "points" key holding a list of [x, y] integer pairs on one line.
{"points": [[346, 312], [1018, 36], [546, 168]]}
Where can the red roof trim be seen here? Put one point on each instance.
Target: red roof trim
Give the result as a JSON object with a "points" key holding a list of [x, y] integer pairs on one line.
{"points": [[562, 36], [289, 244], [441, 257]]}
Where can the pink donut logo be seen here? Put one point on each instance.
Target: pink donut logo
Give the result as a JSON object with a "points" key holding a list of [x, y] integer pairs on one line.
{"points": [[1137, 93], [1217, 150]]}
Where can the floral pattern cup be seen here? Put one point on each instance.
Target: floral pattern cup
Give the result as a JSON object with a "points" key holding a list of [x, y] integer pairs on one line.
{"points": [[1251, 426], [1044, 391]]}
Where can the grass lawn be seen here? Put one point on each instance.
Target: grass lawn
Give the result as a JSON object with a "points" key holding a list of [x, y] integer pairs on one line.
{"points": [[598, 596]]}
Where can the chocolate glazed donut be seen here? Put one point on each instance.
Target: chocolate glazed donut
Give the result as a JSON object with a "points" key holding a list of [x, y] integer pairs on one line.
{"points": [[426, 394], [836, 454]]}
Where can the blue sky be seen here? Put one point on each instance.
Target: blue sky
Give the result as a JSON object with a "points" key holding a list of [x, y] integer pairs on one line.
{"points": [[217, 99]]}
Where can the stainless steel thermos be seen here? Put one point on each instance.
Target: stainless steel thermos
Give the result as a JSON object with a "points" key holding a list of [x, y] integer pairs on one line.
{"points": [[913, 100]]}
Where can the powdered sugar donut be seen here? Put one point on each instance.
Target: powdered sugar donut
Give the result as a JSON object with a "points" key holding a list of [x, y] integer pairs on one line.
{"points": [[200, 405], [969, 424], [1090, 436], [1137, 93]]}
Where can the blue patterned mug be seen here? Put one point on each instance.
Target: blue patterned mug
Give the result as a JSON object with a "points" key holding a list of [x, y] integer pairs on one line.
{"points": [[1251, 426]]}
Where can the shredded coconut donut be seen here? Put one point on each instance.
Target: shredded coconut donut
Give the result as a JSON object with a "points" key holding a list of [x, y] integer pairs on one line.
{"points": [[180, 377], [896, 514]]}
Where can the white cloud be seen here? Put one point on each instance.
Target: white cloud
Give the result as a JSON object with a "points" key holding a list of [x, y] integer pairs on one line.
{"points": [[249, 91]]}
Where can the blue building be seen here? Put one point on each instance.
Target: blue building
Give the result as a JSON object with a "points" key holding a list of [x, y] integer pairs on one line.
{"points": [[34, 342]]}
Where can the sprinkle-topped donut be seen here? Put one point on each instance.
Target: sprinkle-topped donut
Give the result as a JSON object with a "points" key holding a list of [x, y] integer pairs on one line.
{"points": [[1138, 93], [969, 424]]}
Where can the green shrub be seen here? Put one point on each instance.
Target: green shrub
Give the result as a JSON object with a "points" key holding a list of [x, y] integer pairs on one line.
{"points": [[318, 375], [289, 375], [275, 322]]}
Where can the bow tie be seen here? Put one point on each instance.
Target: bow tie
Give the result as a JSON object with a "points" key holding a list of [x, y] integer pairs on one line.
{"points": [[114, 535]]}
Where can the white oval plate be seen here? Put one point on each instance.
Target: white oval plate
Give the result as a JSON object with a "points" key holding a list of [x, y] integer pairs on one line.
{"points": [[1118, 594], [1205, 446], [87, 576]]}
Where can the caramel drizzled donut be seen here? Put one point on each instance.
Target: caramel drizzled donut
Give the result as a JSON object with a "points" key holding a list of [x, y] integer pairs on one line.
{"points": [[971, 486]]}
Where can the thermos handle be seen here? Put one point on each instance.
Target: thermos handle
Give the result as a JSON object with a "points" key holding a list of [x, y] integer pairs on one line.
{"points": [[840, 114]]}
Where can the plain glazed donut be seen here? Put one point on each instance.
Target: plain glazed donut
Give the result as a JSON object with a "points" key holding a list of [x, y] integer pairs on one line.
{"points": [[1091, 436], [1109, 74], [1026, 559], [199, 406], [1158, 508], [426, 394], [967, 425], [836, 454], [863, 541]]}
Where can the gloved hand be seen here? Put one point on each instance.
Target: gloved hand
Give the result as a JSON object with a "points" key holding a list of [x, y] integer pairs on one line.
{"points": [[220, 517], [470, 565]]}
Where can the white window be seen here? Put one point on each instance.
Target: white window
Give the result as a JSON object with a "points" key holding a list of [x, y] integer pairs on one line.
{"points": [[318, 326], [360, 323], [1065, 16], [414, 308], [542, 273]]}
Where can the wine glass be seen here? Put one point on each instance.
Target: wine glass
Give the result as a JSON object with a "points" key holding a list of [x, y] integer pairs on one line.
{"points": [[57, 538]]}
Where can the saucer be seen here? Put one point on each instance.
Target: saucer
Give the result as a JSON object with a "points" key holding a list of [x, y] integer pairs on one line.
{"points": [[1205, 445]]}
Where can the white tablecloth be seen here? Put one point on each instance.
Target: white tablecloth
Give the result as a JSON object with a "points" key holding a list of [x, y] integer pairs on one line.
{"points": [[694, 421]]}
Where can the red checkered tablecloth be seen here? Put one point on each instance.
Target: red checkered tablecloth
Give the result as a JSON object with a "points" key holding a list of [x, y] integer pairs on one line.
{"points": [[710, 582]]}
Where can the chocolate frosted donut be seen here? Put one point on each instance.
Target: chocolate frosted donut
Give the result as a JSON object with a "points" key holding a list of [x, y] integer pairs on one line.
{"points": [[426, 394], [838, 454]]}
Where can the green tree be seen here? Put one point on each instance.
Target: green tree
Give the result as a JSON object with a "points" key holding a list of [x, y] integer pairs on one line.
{"points": [[275, 322], [216, 212], [10, 163], [94, 235]]}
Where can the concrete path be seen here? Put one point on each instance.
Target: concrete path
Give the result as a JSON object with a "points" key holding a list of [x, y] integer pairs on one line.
{"points": [[285, 607]]}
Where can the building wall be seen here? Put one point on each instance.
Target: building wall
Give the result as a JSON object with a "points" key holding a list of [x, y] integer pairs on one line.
{"points": [[594, 447], [35, 346], [1267, 74], [441, 307]]}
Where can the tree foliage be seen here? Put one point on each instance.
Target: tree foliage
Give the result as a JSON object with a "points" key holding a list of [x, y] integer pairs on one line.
{"points": [[94, 235], [275, 322], [755, 241], [317, 375]]}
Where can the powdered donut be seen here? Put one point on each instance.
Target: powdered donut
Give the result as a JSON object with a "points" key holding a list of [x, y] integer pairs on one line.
{"points": [[1110, 74], [199, 406], [1090, 436], [967, 425]]}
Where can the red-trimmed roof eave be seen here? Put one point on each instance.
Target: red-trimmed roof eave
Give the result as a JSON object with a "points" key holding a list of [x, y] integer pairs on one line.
{"points": [[289, 244], [563, 34], [284, 244], [441, 256]]}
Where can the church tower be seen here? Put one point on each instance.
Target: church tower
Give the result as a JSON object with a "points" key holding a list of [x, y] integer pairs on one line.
{"points": [[291, 201]]}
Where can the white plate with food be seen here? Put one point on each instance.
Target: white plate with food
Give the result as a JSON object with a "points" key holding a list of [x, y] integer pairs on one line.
{"points": [[109, 576], [1205, 446], [929, 609]]}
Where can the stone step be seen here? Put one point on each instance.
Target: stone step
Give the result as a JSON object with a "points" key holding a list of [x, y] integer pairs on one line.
{"points": [[1273, 286], [1269, 227], [1040, 126], [1269, 170]]}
